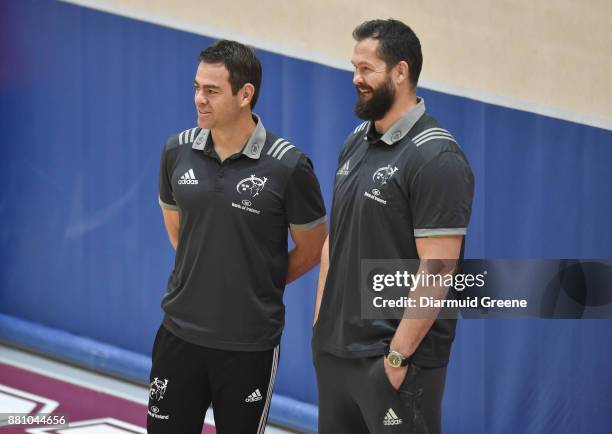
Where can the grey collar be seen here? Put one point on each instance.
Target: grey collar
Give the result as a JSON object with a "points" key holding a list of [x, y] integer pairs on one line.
{"points": [[253, 147], [404, 124]]}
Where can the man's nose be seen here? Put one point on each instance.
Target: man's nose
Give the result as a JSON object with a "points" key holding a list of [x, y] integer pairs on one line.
{"points": [[200, 98], [357, 78]]}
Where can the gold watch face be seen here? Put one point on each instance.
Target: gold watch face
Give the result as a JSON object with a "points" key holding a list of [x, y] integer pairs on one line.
{"points": [[394, 359]]}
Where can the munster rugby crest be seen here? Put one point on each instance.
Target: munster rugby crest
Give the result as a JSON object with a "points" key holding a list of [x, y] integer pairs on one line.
{"points": [[382, 175], [157, 389], [251, 185]]}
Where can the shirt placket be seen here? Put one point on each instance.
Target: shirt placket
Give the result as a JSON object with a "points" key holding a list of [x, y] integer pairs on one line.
{"points": [[220, 177]]}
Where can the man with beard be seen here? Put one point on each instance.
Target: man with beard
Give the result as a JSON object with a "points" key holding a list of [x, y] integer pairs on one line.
{"points": [[403, 189]]}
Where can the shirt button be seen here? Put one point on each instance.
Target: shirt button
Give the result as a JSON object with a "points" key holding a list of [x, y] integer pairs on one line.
{"points": [[396, 136]]}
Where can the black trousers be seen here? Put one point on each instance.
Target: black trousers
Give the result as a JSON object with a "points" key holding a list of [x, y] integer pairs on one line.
{"points": [[186, 379], [355, 397]]}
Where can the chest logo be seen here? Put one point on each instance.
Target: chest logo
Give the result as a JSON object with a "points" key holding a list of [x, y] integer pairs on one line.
{"points": [[380, 178], [251, 185], [382, 175], [188, 178]]}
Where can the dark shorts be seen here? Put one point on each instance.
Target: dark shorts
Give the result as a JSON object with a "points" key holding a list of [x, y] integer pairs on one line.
{"points": [[186, 379], [355, 397]]}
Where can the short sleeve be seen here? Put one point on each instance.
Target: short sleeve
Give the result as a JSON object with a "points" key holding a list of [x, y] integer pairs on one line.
{"points": [[441, 196], [166, 196], [303, 201]]}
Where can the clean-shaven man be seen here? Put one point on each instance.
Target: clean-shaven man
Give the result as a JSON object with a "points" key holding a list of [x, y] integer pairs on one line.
{"points": [[230, 192]]}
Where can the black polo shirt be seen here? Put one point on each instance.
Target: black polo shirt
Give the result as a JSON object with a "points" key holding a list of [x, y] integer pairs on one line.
{"points": [[227, 285], [414, 181]]}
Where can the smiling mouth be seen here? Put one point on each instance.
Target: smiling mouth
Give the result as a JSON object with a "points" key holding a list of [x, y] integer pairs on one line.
{"points": [[363, 91]]}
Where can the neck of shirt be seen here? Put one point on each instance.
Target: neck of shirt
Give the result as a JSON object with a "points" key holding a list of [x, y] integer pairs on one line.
{"points": [[397, 111], [232, 140]]}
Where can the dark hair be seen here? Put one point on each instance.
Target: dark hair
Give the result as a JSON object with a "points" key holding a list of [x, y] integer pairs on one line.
{"points": [[239, 60], [396, 42]]}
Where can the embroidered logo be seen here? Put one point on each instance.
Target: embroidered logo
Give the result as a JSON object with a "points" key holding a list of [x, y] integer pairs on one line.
{"points": [[382, 175], [251, 185]]}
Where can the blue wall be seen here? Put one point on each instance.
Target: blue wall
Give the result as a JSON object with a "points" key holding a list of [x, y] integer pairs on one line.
{"points": [[87, 100]]}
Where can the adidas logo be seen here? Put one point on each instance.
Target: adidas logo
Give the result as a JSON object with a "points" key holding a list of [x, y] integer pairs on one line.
{"points": [[254, 397], [345, 169], [391, 418], [188, 178]]}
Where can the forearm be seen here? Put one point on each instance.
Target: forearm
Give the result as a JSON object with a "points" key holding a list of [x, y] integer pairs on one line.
{"points": [[173, 239], [409, 334], [301, 260], [172, 228], [323, 269], [172, 222], [307, 251], [418, 320]]}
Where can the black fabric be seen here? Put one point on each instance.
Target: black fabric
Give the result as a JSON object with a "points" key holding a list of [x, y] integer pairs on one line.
{"points": [[355, 397], [303, 196], [165, 173], [386, 195], [441, 193], [187, 378], [229, 275]]}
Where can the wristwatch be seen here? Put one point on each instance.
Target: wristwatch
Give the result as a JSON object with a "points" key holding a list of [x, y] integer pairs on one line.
{"points": [[396, 359]]}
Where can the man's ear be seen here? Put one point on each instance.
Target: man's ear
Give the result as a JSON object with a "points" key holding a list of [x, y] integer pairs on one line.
{"points": [[403, 72], [246, 94]]}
